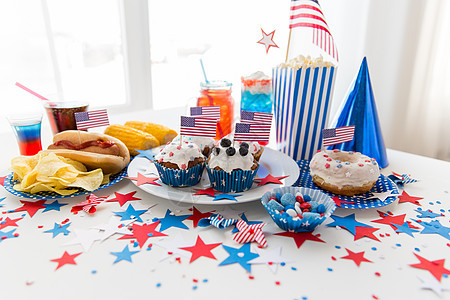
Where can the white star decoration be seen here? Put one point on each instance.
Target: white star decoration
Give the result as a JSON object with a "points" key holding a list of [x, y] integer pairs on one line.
{"points": [[348, 174], [270, 257], [112, 227], [85, 238], [382, 196], [431, 283], [267, 40], [173, 246]]}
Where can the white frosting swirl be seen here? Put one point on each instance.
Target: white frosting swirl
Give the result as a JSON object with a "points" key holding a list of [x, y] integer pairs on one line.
{"points": [[341, 168], [178, 154], [230, 163]]}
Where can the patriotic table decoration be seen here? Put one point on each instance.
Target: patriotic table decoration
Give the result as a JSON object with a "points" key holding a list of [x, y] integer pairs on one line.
{"points": [[206, 112], [198, 126], [253, 117], [88, 206], [91, 119], [252, 132], [335, 136], [250, 233]]}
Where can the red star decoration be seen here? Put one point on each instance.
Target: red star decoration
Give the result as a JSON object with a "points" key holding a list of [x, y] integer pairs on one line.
{"points": [[358, 258], [143, 232], [270, 179], [361, 232], [435, 267], [301, 237], [65, 259], [9, 222], [267, 40], [209, 191], [2, 180], [31, 207], [123, 198], [389, 220], [404, 197], [338, 201], [197, 215], [201, 249], [141, 179]]}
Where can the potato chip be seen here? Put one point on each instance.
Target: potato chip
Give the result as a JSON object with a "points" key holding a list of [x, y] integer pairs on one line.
{"points": [[49, 172]]}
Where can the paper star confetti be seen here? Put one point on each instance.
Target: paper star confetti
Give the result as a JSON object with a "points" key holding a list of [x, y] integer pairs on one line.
{"points": [[8, 235], [430, 283], [58, 229], [141, 179], [9, 222], [197, 216], [130, 213], [226, 197], [405, 197], [149, 154], [65, 259], [427, 214], [270, 179], [435, 267], [112, 227], [89, 205], [435, 227], [173, 246], [123, 198], [338, 201], [404, 228], [301, 237], [217, 221], [347, 222], [31, 207], [358, 258], [143, 232], [125, 254], [240, 256], [209, 192], [2, 180], [361, 232], [382, 196], [85, 237], [170, 220], [250, 233], [55, 205], [267, 40], [271, 257], [391, 220], [201, 249]]}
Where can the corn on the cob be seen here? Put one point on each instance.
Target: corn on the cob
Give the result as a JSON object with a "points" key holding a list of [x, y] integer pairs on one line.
{"points": [[132, 138], [162, 133]]}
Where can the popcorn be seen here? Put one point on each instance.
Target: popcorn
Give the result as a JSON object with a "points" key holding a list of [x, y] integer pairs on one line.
{"points": [[306, 62]]}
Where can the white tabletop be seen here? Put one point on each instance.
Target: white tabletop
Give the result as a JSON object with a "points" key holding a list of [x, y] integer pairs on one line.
{"points": [[315, 270]]}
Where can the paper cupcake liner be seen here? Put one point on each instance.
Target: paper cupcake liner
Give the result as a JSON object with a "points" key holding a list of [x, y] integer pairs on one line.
{"points": [[286, 222], [301, 108], [236, 181], [180, 178]]}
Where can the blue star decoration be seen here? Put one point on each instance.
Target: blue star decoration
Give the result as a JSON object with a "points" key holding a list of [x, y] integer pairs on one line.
{"points": [[7, 235], [435, 227], [125, 254], [149, 154], [347, 222], [170, 220], [225, 197], [1, 205], [244, 217], [57, 229], [55, 205], [405, 229], [239, 256], [426, 214], [130, 214]]}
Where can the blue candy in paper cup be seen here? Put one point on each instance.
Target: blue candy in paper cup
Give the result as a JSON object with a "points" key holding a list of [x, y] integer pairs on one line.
{"points": [[180, 178], [301, 107], [309, 221], [236, 181]]}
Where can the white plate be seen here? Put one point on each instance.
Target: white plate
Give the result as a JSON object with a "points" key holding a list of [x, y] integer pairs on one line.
{"points": [[272, 162]]}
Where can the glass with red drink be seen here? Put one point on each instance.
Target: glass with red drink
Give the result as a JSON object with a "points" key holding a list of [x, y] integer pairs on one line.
{"points": [[27, 128], [61, 114]]}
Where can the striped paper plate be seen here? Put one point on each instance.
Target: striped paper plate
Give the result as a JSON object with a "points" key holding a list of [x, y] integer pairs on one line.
{"points": [[382, 185]]}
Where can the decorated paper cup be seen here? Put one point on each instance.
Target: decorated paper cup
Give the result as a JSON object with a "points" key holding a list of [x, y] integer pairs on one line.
{"points": [[234, 182], [294, 224], [301, 108], [180, 178]]}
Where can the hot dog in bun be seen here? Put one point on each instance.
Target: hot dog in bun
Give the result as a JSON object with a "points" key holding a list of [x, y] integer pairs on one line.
{"points": [[94, 150]]}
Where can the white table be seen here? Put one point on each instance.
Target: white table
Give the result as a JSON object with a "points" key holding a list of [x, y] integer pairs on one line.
{"points": [[315, 270]]}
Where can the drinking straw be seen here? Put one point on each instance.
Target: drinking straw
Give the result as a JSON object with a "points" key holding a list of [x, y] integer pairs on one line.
{"points": [[34, 93], [203, 69]]}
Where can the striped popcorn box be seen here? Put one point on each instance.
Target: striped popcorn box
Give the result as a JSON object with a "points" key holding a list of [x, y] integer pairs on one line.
{"points": [[301, 107]]}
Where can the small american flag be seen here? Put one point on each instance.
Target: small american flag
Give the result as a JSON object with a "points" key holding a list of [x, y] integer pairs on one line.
{"points": [[308, 14], [196, 126], [338, 135], [256, 117], [91, 119], [206, 111], [252, 132]]}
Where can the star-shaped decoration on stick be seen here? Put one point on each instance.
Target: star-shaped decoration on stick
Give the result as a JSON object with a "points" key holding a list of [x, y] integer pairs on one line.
{"points": [[65, 259], [123, 198], [201, 249], [270, 179], [31, 207], [404, 197], [197, 216], [301, 237], [267, 40], [141, 179], [435, 267], [358, 258], [125, 254], [143, 232], [240, 256]]}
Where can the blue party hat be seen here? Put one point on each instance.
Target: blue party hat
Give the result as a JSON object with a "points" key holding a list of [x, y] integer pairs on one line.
{"points": [[359, 109]]}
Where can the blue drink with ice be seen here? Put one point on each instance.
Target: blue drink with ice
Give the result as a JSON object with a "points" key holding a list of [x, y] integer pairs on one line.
{"points": [[256, 93]]}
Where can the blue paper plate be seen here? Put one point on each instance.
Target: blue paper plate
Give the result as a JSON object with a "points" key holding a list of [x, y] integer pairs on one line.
{"points": [[383, 184], [9, 183]]}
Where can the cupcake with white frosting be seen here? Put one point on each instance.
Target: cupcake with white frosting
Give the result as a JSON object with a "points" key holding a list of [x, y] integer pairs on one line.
{"points": [[180, 164], [230, 168], [204, 143]]}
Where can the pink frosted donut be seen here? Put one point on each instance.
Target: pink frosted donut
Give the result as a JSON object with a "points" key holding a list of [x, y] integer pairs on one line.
{"points": [[344, 173]]}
